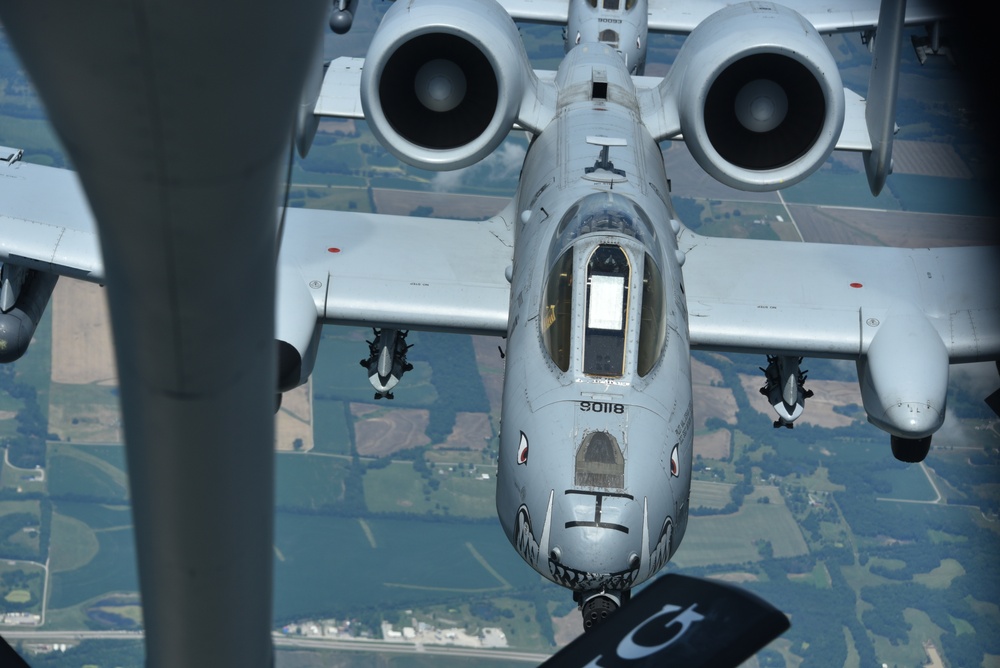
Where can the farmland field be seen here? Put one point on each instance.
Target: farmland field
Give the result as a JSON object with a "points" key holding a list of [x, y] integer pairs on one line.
{"points": [[332, 428], [74, 544], [73, 470], [112, 569], [309, 481], [710, 494], [329, 565], [730, 539]]}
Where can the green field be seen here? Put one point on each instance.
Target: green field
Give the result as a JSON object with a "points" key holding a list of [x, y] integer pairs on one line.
{"points": [[396, 488], [710, 494], [941, 577], [18, 596], [467, 496], [74, 544], [96, 515], [328, 564], [839, 189], [309, 481], [399, 488], [933, 194], [332, 427], [730, 539], [85, 413], [112, 569], [20, 538], [909, 483], [27, 506], [35, 367], [86, 472], [745, 220]]}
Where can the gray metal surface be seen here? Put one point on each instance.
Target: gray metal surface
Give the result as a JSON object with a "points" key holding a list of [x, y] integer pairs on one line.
{"points": [[178, 117]]}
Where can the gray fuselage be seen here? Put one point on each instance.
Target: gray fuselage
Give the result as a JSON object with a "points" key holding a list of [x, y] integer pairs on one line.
{"points": [[621, 24], [596, 439]]}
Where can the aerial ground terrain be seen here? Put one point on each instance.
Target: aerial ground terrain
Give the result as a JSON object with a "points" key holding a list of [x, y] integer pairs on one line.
{"points": [[385, 510]]}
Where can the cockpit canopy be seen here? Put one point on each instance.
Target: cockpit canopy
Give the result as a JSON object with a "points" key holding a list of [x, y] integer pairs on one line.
{"points": [[603, 212], [596, 242]]}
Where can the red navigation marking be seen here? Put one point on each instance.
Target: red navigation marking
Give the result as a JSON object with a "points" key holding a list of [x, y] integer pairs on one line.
{"points": [[856, 285], [337, 250]]}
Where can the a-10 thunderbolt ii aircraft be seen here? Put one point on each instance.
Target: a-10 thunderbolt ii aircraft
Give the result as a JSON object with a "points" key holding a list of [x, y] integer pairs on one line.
{"points": [[605, 291], [599, 290]]}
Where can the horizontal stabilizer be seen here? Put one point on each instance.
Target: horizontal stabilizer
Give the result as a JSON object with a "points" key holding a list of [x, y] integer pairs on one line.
{"points": [[340, 94], [679, 621]]}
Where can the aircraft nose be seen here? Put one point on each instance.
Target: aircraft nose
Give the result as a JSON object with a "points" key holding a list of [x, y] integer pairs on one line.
{"points": [[595, 541]]}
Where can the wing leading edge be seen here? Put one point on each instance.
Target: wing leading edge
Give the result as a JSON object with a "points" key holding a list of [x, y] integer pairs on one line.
{"points": [[826, 300], [407, 272], [402, 272], [679, 17], [46, 223]]}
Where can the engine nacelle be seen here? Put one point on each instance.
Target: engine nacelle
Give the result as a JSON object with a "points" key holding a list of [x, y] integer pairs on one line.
{"points": [[759, 97], [904, 376], [297, 330], [18, 323], [443, 81]]}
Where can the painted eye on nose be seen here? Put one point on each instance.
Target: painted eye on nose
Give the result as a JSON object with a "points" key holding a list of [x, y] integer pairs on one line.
{"points": [[522, 450], [675, 467]]}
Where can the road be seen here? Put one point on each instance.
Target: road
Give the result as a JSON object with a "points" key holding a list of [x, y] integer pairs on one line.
{"points": [[300, 642]]}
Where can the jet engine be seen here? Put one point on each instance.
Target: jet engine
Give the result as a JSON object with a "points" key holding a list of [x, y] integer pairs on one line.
{"points": [[443, 81], [25, 294], [759, 97], [904, 381], [297, 331]]}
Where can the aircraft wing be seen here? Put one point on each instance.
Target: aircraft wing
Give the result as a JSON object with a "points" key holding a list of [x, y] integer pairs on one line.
{"points": [[826, 300], [538, 11], [682, 16], [827, 16], [45, 221], [400, 271]]}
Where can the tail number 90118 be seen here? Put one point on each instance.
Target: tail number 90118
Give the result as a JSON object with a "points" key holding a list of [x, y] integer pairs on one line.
{"points": [[601, 407]]}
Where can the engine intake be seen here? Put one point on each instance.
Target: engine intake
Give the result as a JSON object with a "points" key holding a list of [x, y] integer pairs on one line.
{"points": [[443, 81], [760, 100]]}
